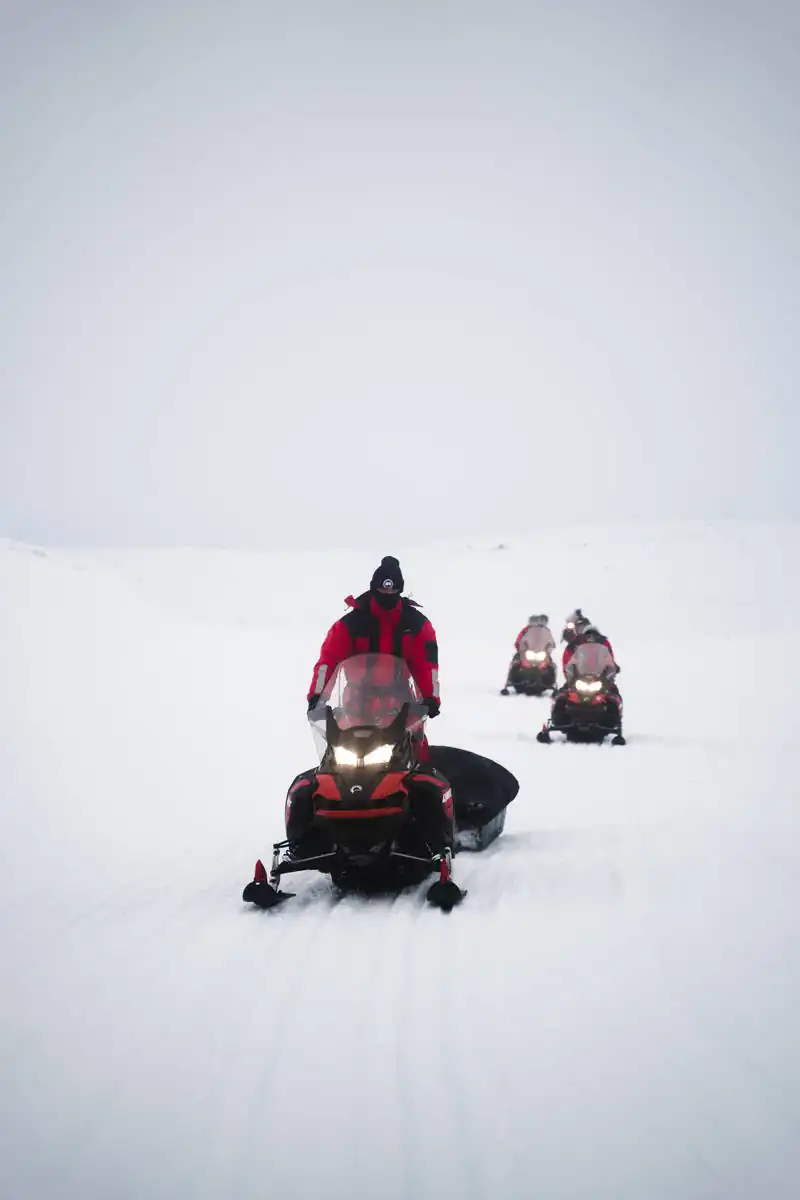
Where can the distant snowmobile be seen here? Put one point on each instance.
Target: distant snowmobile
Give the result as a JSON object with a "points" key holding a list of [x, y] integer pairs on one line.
{"points": [[372, 815], [589, 707], [532, 669]]}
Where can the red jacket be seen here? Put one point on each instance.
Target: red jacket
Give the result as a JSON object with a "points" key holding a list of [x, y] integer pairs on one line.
{"points": [[370, 629], [572, 646]]}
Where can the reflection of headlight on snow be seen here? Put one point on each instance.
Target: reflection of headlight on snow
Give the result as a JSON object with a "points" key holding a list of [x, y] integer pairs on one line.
{"points": [[536, 655], [379, 757], [583, 686], [344, 757]]}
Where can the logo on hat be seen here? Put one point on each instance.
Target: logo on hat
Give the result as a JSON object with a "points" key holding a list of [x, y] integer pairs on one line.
{"points": [[388, 583]]}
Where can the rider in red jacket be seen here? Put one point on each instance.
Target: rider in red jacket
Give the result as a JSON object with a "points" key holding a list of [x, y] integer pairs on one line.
{"points": [[584, 632], [383, 621]]}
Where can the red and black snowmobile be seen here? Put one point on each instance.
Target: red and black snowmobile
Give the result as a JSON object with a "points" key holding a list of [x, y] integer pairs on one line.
{"points": [[379, 812], [589, 707]]}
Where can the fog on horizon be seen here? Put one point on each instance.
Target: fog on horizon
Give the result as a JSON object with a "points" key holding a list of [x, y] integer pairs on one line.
{"points": [[311, 273]]}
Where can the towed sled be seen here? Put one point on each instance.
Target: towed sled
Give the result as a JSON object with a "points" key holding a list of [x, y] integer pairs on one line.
{"points": [[383, 810]]}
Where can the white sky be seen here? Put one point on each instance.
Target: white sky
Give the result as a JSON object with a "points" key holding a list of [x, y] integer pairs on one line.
{"points": [[277, 273]]}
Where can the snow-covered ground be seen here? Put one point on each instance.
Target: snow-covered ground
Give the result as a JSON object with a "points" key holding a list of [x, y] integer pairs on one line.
{"points": [[611, 1015]]}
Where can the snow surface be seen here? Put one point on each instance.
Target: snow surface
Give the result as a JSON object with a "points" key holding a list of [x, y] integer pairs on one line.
{"points": [[612, 1013]]}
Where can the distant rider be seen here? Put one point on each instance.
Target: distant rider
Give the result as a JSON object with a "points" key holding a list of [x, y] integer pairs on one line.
{"points": [[587, 635], [570, 622], [584, 631]]}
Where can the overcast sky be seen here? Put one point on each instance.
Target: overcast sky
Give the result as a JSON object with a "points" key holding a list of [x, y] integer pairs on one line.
{"points": [[280, 272]]}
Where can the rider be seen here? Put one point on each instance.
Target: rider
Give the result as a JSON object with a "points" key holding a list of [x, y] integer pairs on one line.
{"points": [[584, 631], [535, 636], [574, 618], [383, 621]]}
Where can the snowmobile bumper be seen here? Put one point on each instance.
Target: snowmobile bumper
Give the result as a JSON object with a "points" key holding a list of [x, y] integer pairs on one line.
{"points": [[585, 719], [532, 681], [264, 891], [583, 731]]}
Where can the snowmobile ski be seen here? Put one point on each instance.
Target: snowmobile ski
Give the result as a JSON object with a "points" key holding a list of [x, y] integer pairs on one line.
{"points": [[264, 895], [445, 893]]}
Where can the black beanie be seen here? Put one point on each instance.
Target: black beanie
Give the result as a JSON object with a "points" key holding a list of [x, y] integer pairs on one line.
{"points": [[388, 575]]}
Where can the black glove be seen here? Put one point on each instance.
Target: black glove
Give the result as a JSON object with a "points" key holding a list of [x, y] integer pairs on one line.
{"points": [[433, 705], [313, 701]]}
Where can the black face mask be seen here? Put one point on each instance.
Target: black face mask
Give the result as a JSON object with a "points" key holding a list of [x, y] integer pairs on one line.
{"points": [[386, 601]]}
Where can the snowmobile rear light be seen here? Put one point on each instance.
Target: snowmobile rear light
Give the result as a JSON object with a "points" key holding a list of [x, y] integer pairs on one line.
{"points": [[583, 685]]}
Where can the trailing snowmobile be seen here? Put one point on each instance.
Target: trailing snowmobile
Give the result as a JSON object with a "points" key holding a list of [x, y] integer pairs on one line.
{"points": [[589, 707], [379, 812], [532, 670]]}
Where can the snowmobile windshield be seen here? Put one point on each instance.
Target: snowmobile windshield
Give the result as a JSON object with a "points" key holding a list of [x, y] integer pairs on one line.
{"points": [[592, 658], [367, 691], [536, 638]]}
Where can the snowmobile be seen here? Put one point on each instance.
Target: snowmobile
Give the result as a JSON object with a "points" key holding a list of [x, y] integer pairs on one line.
{"points": [[532, 673], [376, 814], [587, 709]]}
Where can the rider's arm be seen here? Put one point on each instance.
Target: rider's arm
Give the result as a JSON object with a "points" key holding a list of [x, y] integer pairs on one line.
{"points": [[337, 645], [423, 661]]}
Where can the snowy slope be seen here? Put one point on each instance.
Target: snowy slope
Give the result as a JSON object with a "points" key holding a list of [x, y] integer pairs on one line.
{"points": [[611, 1014]]}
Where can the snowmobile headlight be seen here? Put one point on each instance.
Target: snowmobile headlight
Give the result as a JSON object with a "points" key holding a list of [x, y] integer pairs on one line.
{"points": [[536, 655], [583, 685], [345, 757], [379, 757]]}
